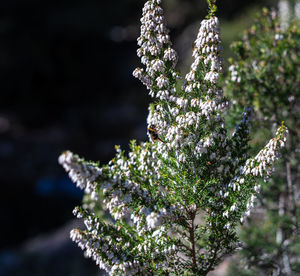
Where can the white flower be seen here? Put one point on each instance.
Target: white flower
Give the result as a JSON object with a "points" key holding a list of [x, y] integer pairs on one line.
{"points": [[162, 81], [225, 214], [158, 65], [212, 77], [233, 207], [153, 220], [278, 36], [170, 54]]}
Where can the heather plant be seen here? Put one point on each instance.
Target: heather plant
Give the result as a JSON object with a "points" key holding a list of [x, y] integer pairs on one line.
{"points": [[265, 75], [176, 200]]}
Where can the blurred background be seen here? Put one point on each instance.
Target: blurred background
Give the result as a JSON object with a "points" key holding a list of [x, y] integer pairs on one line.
{"points": [[66, 83]]}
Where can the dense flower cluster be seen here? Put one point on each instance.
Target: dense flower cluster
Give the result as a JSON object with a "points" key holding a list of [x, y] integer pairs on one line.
{"points": [[82, 173], [156, 53], [176, 200], [262, 163]]}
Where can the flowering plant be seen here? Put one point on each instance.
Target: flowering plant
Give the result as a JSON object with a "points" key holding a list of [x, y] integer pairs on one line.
{"points": [[176, 200]]}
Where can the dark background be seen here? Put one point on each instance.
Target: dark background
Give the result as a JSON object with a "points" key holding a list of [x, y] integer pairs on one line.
{"points": [[66, 83]]}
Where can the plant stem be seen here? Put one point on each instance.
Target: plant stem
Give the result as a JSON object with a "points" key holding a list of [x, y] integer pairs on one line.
{"points": [[192, 238], [291, 193]]}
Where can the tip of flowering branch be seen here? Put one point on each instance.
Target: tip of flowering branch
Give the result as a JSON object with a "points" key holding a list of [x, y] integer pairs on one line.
{"points": [[282, 129], [212, 8], [65, 156]]}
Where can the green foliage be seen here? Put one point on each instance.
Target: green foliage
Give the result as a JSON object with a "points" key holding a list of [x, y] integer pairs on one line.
{"points": [[212, 8], [265, 74]]}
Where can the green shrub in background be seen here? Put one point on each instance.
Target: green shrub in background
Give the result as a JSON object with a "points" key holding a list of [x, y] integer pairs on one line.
{"points": [[265, 74]]}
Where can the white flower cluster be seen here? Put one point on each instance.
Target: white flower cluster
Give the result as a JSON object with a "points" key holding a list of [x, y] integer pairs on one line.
{"points": [[235, 185], [234, 73], [160, 239], [208, 106], [207, 51], [81, 173], [203, 145], [121, 258], [204, 99], [262, 163], [99, 249], [119, 193], [155, 219], [187, 113], [90, 244], [154, 43], [121, 196]]}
